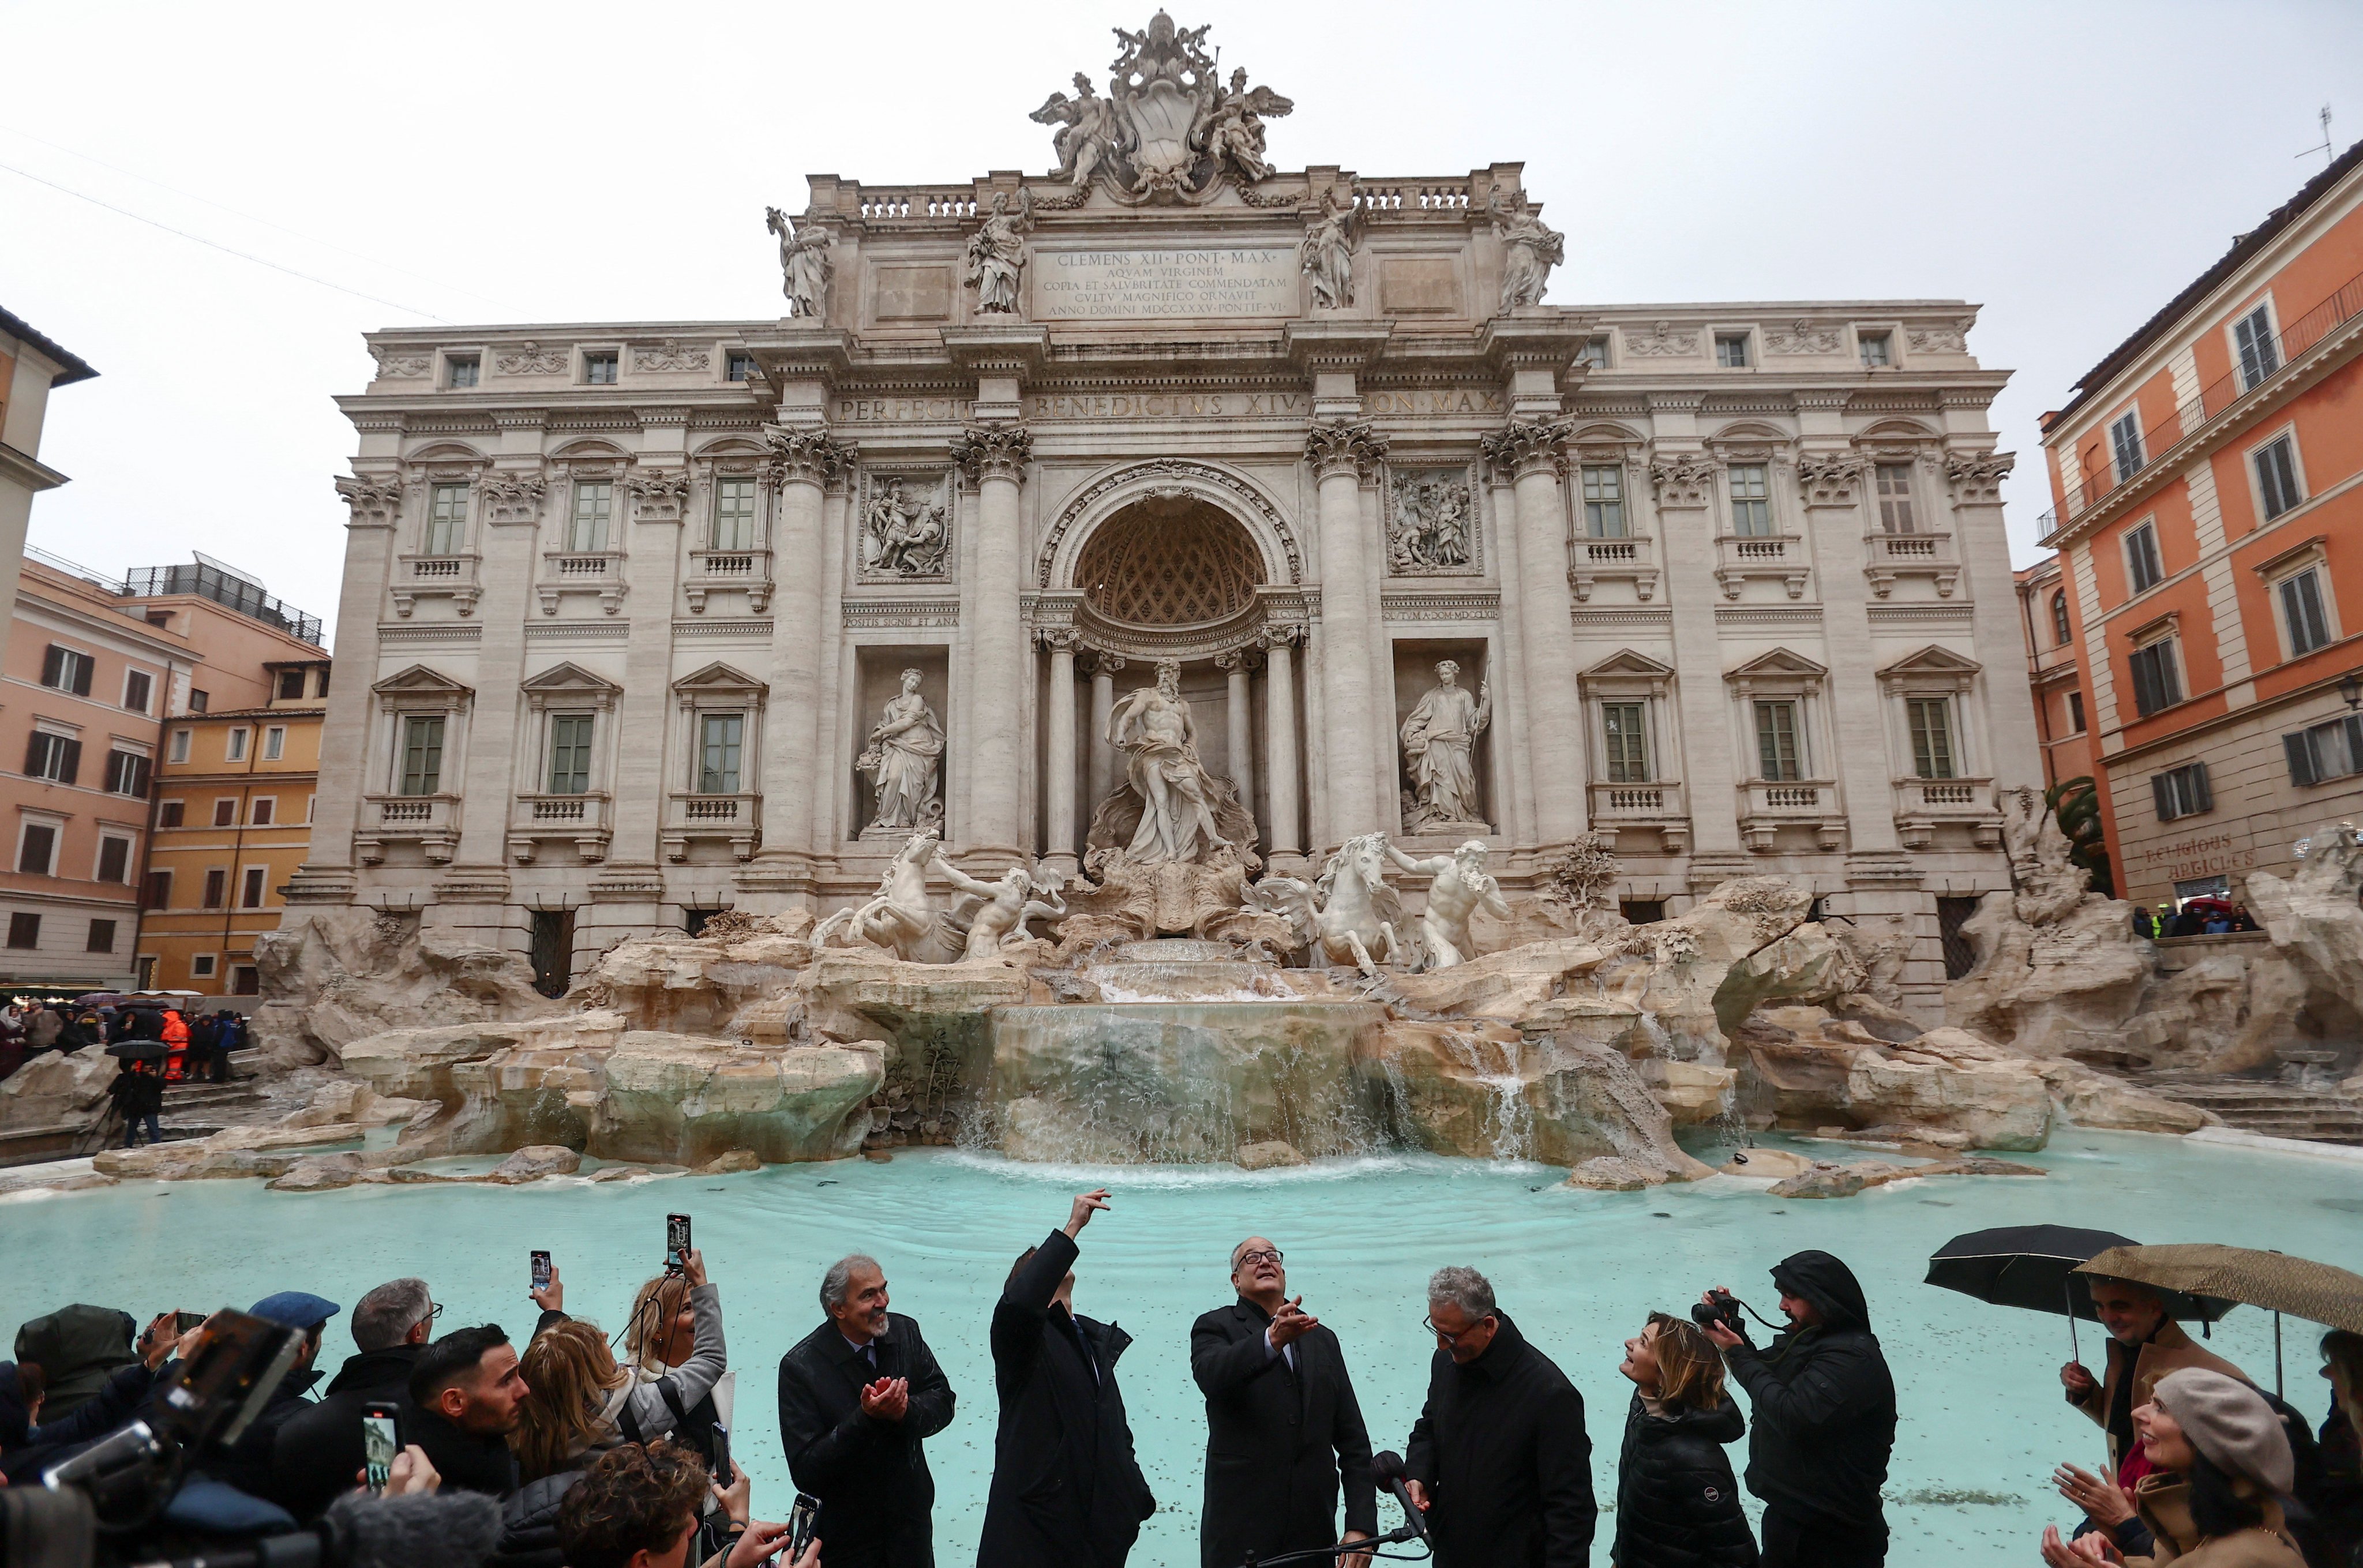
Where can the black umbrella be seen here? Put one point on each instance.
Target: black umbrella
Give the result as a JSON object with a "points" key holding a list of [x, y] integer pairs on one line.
{"points": [[140, 1050], [2033, 1266]]}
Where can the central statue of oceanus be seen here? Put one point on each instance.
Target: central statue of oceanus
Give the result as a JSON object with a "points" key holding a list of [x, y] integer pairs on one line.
{"points": [[1179, 802]]}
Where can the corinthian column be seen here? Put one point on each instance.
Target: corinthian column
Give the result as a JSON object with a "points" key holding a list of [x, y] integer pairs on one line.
{"points": [[1342, 456], [1279, 738], [1239, 728], [1534, 457], [802, 461], [995, 457], [1058, 853], [1103, 777]]}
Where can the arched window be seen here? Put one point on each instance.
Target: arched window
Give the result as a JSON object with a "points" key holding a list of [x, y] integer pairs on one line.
{"points": [[2059, 617]]}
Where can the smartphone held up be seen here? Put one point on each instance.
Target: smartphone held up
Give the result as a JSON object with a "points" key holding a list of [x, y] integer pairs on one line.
{"points": [[381, 1440], [540, 1271], [676, 1243]]}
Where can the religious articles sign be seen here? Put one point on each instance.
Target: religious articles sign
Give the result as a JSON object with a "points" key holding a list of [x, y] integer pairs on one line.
{"points": [[1130, 285]]}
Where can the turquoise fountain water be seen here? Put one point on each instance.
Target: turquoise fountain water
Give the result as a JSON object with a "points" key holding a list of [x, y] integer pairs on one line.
{"points": [[1982, 1419]]}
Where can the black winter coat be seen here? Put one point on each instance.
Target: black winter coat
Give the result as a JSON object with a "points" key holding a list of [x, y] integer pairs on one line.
{"points": [[1279, 1442], [871, 1475], [1067, 1492], [247, 1463], [1677, 1505], [319, 1450], [137, 1092], [1825, 1403], [1500, 1449]]}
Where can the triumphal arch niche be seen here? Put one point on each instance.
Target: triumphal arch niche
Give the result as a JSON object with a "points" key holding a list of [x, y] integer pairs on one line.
{"points": [[1170, 506]]}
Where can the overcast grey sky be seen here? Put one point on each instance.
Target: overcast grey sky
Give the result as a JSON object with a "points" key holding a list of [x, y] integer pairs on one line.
{"points": [[2066, 166]]}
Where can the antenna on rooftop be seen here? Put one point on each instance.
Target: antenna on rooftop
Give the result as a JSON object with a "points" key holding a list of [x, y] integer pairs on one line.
{"points": [[2328, 152]]}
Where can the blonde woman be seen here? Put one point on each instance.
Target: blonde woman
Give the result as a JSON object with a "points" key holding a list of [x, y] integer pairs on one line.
{"points": [[1677, 1505], [584, 1402]]}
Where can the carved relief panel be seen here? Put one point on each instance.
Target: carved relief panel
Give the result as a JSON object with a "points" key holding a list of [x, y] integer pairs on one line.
{"points": [[906, 526], [1432, 522]]}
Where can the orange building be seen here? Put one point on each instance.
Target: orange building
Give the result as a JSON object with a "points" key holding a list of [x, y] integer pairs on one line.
{"points": [[2062, 722], [2208, 482]]}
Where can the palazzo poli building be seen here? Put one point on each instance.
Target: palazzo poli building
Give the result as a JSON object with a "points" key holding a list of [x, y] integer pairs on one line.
{"points": [[645, 620]]}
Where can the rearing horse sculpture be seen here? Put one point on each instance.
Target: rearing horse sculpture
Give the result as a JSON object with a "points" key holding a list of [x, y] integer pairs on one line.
{"points": [[1352, 898]]}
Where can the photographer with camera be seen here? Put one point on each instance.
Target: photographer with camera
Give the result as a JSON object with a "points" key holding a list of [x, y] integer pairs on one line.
{"points": [[640, 1506], [1825, 1408]]}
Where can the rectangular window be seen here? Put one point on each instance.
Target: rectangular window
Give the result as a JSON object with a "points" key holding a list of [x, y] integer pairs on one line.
{"points": [[1629, 749], [38, 849], [2329, 750], [171, 814], [216, 887], [447, 525], [1776, 740], [2126, 445], [1894, 483], [2301, 597], [179, 746], [261, 813], [323, 690], [245, 980], [137, 689], [2276, 463], [56, 758], [274, 743], [599, 369], [1876, 349], [720, 736], [1603, 501], [102, 937], [199, 700], [225, 814], [1960, 953], [740, 367], [158, 894], [461, 372], [594, 502], [2157, 683], [2259, 355], [2143, 568], [1593, 355], [1752, 500], [64, 670], [2076, 713], [2181, 791], [201, 966], [234, 745], [24, 930], [1932, 736], [733, 514], [128, 773], [1731, 350], [2061, 633], [569, 752], [291, 686], [114, 859], [422, 755], [250, 895]]}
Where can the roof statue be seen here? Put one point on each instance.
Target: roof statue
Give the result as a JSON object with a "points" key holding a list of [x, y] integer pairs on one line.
{"points": [[1170, 129]]}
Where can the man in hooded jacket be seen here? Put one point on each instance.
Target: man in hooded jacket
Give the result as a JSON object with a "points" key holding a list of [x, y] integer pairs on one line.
{"points": [[1824, 1419], [1067, 1492]]}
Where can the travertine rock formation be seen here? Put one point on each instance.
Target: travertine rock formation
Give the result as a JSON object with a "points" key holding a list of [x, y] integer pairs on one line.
{"points": [[337, 975]]}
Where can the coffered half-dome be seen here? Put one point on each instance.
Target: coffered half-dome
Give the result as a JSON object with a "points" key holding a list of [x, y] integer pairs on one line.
{"points": [[1169, 562]]}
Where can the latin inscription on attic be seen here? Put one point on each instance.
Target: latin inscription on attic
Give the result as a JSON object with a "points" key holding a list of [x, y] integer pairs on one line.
{"points": [[1136, 285]]}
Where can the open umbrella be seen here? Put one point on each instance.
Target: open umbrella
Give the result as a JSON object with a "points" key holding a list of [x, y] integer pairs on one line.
{"points": [[140, 1049], [2034, 1266], [2274, 1281]]}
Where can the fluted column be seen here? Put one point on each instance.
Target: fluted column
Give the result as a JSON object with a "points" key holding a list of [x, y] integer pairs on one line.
{"points": [[1238, 724], [1534, 456], [1341, 456], [1279, 738], [995, 457], [802, 461], [1058, 853], [1102, 772]]}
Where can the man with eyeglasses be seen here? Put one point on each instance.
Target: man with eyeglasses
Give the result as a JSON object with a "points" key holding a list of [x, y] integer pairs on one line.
{"points": [[318, 1450], [1283, 1431], [1499, 1460]]}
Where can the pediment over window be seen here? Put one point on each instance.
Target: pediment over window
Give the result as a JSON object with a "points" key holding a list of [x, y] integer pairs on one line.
{"points": [[1780, 664], [1627, 673], [720, 682], [570, 686], [1930, 660], [421, 688]]}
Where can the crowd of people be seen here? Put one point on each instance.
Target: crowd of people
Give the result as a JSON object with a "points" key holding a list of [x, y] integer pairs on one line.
{"points": [[197, 1043], [597, 1461]]}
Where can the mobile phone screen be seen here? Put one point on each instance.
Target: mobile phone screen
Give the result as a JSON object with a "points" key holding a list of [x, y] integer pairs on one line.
{"points": [[800, 1525], [381, 1440], [540, 1269], [184, 1322], [721, 1455], [676, 1241]]}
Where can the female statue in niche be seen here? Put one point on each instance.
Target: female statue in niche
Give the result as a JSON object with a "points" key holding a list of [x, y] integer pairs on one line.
{"points": [[1153, 729], [1437, 740], [902, 757]]}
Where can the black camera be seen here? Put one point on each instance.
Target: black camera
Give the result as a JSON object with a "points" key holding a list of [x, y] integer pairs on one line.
{"points": [[1724, 1309]]}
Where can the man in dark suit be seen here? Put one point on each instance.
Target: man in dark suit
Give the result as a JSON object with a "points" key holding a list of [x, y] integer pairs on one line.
{"points": [[1067, 1492], [858, 1398], [1283, 1431]]}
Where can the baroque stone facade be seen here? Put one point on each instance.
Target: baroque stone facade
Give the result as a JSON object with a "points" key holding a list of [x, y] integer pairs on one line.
{"points": [[645, 621]]}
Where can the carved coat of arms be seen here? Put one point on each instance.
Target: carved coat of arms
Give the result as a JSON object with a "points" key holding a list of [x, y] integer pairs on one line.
{"points": [[1170, 129]]}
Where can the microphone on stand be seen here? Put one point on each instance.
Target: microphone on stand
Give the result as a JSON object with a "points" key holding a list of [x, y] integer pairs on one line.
{"points": [[1388, 1469]]}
